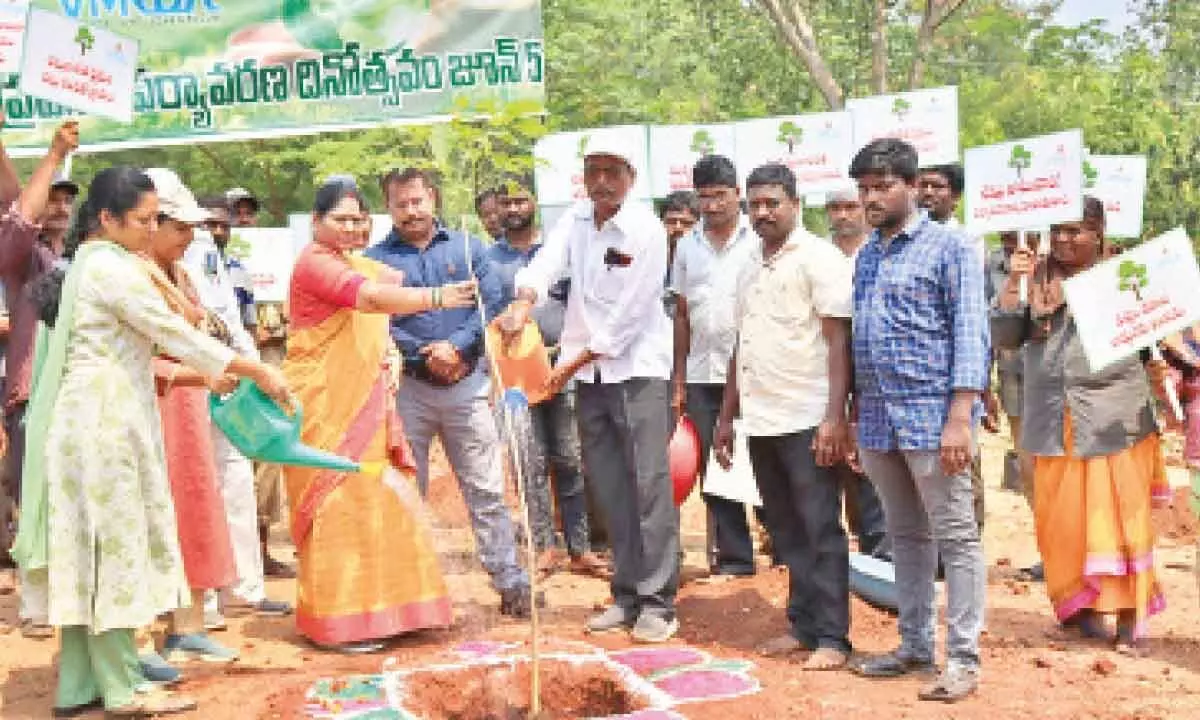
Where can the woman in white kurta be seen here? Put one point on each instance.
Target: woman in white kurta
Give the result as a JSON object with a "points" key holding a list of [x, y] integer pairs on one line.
{"points": [[102, 537]]}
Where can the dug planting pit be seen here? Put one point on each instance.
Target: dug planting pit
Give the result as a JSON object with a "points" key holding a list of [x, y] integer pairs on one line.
{"points": [[489, 680], [500, 691]]}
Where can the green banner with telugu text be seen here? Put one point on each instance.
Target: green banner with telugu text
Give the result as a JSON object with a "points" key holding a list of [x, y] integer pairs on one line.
{"points": [[242, 69]]}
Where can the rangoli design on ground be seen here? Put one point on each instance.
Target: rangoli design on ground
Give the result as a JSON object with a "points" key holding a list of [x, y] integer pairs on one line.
{"points": [[667, 677]]}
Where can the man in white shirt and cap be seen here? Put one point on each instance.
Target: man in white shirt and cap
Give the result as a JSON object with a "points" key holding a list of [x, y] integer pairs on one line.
{"points": [[617, 343]]}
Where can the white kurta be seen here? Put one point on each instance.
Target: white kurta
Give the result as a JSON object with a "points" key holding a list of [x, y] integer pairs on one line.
{"points": [[113, 550]]}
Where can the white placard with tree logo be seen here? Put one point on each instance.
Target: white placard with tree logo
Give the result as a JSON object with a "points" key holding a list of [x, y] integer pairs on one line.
{"points": [[816, 147], [268, 255], [1128, 302], [1024, 184], [81, 67], [558, 158], [674, 149], [927, 119], [1119, 181]]}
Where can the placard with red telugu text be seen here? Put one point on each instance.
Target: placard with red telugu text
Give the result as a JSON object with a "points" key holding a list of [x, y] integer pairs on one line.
{"points": [[13, 14], [1024, 184], [927, 119], [79, 66], [1131, 301], [817, 148]]}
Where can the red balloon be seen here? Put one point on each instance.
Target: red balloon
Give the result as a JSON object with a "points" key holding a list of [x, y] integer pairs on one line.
{"points": [[683, 456]]}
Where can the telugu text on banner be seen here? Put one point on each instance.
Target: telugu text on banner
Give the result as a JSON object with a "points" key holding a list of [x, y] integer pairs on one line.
{"points": [[236, 69]]}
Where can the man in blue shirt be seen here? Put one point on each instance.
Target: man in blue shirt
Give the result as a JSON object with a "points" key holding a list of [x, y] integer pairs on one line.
{"points": [[445, 388], [920, 349], [553, 419]]}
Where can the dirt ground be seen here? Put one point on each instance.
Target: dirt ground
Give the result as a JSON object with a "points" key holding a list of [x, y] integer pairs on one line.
{"points": [[1026, 674]]}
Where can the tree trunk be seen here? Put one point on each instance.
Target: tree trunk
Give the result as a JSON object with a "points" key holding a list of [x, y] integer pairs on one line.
{"points": [[797, 31], [936, 13], [879, 59]]}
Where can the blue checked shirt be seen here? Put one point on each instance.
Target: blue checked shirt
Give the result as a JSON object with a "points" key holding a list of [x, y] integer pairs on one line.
{"points": [[920, 333]]}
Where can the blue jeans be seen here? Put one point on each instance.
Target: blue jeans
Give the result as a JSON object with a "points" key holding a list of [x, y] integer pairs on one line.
{"points": [[460, 416]]}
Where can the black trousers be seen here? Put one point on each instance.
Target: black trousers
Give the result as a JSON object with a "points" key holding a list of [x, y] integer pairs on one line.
{"points": [[803, 507], [735, 549]]}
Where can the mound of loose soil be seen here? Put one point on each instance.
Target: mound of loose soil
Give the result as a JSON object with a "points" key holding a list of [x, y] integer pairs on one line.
{"points": [[501, 692]]}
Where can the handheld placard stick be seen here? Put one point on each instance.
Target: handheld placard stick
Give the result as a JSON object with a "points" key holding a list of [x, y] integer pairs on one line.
{"points": [[1023, 281]]}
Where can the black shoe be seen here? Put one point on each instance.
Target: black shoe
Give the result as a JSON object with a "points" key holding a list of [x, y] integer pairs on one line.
{"points": [[77, 710], [515, 602], [893, 665], [1033, 573]]}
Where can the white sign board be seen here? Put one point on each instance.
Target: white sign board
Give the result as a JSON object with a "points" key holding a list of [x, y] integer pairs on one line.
{"points": [[558, 158], [674, 149], [816, 147], [1119, 181], [926, 119], [268, 261], [13, 16], [1128, 302], [1024, 184], [737, 483], [82, 67]]}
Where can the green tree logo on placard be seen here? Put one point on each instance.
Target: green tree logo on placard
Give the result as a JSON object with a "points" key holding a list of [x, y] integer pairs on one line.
{"points": [[85, 40], [1020, 160], [790, 134], [1089, 175], [583, 143], [238, 247], [1132, 277], [901, 108], [703, 143]]}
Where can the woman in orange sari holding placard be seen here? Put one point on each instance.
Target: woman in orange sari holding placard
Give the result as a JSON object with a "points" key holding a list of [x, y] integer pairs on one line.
{"points": [[1098, 467], [368, 569]]}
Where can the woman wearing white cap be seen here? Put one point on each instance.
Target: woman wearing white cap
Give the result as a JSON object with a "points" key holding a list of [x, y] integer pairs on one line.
{"points": [[204, 538]]}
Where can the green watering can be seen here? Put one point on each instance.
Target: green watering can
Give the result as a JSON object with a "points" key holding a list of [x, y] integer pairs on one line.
{"points": [[262, 430]]}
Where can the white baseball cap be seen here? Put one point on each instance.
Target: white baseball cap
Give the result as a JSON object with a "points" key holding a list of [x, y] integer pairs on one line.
{"points": [[174, 199], [611, 145]]}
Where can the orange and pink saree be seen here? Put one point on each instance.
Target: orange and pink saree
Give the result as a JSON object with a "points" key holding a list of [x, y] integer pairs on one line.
{"points": [[368, 569]]}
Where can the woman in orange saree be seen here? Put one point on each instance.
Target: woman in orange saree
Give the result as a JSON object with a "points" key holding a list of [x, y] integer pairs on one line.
{"points": [[1098, 466], [368, 569]]}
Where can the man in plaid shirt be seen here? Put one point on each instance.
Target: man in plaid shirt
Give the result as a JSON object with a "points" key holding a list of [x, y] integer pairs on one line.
{"points": [[920, 351]]}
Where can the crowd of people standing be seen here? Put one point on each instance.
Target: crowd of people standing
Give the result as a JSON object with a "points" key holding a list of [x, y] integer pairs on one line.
{"points": [[858, 367]]}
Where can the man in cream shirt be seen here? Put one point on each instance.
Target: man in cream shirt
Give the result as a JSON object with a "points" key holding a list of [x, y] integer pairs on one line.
{"points": [[790, 375], [616, 342]]}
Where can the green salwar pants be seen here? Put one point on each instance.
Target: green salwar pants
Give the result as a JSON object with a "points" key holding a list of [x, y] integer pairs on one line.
{"points": [[96, 666]]}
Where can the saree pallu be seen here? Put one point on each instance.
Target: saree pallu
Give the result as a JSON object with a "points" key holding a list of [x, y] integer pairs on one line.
{"points": [[1094, 529], [368, 568]]}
